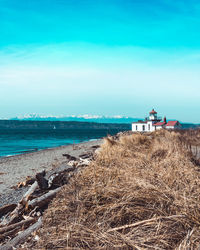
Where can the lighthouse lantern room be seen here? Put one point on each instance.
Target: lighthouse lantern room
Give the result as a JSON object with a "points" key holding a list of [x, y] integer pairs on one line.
{"points": [[153, 115]]}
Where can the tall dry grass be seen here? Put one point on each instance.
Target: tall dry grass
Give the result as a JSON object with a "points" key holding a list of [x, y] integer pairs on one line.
{"points": [[140, 192]]}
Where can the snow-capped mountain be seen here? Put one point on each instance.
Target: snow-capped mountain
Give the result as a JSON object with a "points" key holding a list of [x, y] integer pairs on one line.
{"points": [[86, 118]]}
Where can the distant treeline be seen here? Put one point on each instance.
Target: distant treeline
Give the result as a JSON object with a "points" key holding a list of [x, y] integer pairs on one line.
{"points": [[24, 124], [17, 124], [190, 126]]}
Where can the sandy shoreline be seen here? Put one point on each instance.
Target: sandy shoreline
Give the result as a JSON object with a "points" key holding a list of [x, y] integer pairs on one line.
{"points": [[15, 169]]}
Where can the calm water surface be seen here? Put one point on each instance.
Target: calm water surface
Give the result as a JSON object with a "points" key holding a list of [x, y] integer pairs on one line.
{"points": [[18, 141]]}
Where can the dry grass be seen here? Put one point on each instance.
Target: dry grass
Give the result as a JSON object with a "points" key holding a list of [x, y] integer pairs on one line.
{"points": [[141, 192], [191, 136]]}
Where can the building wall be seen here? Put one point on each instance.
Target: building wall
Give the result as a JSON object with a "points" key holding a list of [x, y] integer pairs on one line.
{"points": [[158, 127], [148, 127], [138, 127], [170, 127]]}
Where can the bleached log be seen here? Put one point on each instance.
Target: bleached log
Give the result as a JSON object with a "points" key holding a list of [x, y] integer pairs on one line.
{"points": [[83, 162], [15, 215], [58, 176], [19, 239], [19, 224], [28, 193], [64, 168], [7, 208], [9, 234], [44, 199]]}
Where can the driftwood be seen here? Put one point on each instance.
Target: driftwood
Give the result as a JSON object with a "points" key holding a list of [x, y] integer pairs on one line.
{"points": [[14, 228], [29, 181], [63, 168], [95, 146], [21, 223], [86, 155], [70, 157], [14, 217], [54, 178], [42, 182], [58, 177], [22, 236], [7, 209], [44, 199], [34, 201], [28, 193], [9, 234], [18, 211]]}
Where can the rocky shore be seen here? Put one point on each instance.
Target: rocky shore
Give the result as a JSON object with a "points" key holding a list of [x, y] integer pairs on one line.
{"points": [[16, 169]]}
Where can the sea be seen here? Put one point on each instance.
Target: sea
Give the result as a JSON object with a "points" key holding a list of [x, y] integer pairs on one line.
{"points": [[21, 141]]}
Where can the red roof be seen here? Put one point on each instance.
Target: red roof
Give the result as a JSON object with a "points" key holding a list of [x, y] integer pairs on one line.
{"points": [[159, 124], [171, 123], [153, 112]]}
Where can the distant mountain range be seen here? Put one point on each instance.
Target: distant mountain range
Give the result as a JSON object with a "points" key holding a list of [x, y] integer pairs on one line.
{"points": [[79, 118]]}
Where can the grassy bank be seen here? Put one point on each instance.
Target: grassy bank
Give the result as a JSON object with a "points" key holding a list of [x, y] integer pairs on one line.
{"points": [[140, 192]]}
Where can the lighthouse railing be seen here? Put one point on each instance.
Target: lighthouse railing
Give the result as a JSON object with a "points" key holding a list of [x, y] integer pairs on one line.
{"points": [[158, 118]]}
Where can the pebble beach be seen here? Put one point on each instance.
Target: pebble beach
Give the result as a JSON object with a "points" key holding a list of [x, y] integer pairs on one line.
{"points": [[15, 169]]}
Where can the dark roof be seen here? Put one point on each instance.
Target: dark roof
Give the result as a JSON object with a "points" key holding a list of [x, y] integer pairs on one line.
{"points": [[153, 112]]}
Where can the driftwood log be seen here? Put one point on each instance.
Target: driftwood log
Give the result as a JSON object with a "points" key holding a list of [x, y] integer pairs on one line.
{"points": [[19, 224], [70, 157], [42, 182], [10, 231], [15, 216], [86, 155], [58, 177], [21, 238], [28, 193], [44, 199], [7, 209], [9, 234], [35, 200]]}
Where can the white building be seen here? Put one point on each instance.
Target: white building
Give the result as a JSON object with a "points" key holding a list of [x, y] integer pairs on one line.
{"points": [[153, 122]]}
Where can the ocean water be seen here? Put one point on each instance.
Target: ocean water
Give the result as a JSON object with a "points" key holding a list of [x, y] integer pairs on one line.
{"points": [[20, 141]]}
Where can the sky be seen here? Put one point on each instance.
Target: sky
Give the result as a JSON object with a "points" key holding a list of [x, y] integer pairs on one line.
{"points": [[116, 57]]}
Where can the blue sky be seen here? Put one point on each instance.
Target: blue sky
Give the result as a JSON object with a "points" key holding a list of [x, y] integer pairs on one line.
{"points": [[100, 57]]}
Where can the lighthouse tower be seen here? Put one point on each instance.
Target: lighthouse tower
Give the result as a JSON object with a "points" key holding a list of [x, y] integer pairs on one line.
{"points": [[153, 115]]}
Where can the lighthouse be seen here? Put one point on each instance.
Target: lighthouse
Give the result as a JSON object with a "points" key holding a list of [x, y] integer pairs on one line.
{"points": [[153, 122], [153, 115]]}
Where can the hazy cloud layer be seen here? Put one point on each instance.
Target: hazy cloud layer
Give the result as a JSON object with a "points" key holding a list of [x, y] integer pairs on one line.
{"points": [[100, 57]]}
